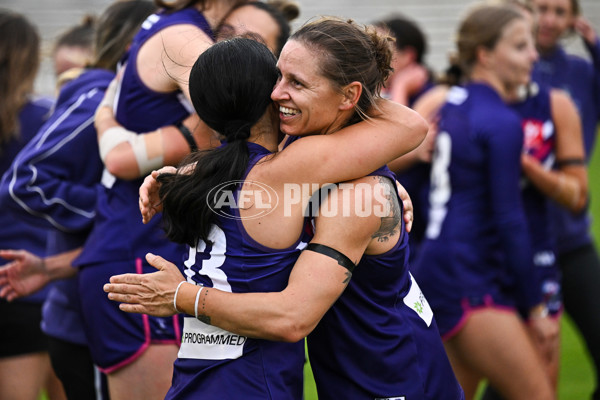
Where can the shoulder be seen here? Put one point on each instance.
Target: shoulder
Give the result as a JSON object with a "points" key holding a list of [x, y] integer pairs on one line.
{"points": [[41, 104], [430, 102], [35, 112], [180, 43], [366, 200], [578, 61], [559, 99]]}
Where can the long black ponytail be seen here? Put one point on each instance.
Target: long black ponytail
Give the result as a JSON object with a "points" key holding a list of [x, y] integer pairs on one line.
{"points": [[230, 87]]}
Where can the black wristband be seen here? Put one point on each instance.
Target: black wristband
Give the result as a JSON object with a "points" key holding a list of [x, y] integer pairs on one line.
{"points": [[187, 135], [341, 258]]}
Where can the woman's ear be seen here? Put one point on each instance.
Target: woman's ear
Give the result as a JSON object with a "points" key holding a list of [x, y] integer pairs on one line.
{"points": [[351, 92], [484, 56]]}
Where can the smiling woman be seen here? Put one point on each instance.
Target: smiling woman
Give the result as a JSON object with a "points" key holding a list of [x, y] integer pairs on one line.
{"points": [[256, 255]]}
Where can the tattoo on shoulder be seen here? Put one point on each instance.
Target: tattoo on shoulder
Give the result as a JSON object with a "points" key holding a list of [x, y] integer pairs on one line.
{"points": [[348, 277], [390, 224], [205, 319]]}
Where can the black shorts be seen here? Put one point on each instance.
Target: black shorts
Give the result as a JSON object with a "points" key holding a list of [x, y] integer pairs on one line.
{"points": [[20, 331]]}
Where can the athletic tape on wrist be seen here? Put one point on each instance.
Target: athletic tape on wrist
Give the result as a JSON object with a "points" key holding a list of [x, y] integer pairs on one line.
{"points": [[114, 136]]}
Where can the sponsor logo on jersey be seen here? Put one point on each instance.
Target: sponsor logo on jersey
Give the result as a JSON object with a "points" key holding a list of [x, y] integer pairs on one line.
{"points": [[207, 342]]}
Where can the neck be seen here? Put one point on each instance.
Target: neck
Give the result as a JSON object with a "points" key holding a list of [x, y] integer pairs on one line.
{"points": [[338, 123], [544, 51], [266, 132], [484, 76]]}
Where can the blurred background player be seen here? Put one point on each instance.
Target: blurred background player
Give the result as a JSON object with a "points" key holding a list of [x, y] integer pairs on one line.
{"points": [[24, 362]]}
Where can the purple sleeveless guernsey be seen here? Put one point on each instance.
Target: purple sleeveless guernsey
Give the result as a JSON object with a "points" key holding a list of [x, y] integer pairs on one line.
{"points": [[379, 340], [219, 365]]}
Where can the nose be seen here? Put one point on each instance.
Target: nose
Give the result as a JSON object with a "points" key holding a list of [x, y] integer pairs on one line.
{"points": [[279, 93], [534, 55]]}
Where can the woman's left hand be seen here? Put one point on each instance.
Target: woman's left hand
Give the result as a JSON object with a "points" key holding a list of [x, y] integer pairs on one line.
{"points": [[150, 294], [407, 205], [585, 30], [545, 333]]}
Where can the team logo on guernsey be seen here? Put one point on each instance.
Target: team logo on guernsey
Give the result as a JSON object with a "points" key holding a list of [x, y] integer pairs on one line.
{"points": [[538, 138], [256, 198]]}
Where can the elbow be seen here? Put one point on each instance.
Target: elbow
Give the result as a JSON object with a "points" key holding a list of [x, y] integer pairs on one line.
{"points": [[118, 165], [581, 201], [419, 127], [293, 330]]}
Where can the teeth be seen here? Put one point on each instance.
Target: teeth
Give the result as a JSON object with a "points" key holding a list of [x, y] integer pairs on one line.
{"points": [[288, 111]]}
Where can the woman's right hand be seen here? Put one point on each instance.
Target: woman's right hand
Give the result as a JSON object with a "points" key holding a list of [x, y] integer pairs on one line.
{"points": [[152, 293], [149, 201], [24, 275]]}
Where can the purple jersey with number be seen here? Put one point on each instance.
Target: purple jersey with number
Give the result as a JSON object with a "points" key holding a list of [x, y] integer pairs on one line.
{"points": [[216, 364], [477, 227], [379, 340]]}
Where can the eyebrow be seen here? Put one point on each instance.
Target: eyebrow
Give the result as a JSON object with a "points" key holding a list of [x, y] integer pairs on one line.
{"points": [[296, 78]]}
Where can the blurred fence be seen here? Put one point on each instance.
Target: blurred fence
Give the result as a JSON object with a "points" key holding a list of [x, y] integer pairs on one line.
{"points": [[438, 18]]}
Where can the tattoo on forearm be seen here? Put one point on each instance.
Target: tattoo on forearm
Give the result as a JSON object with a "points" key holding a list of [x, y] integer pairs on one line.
{"points": [[390, 224], [203, 317]]}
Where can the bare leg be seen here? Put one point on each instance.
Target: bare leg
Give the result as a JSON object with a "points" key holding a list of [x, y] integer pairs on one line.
{"points": [[22, 377], [494, 344], [147, 378], [53, 385]]}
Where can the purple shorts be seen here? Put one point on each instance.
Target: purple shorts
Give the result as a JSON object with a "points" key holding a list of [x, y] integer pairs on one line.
{"points": [[451, 316], [117, 338]]}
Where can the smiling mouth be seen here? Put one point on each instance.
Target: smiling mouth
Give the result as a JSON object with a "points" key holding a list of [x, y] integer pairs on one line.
{"points": [[288, 112]]}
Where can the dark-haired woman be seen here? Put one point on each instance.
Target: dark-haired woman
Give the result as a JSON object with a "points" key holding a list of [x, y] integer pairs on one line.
{"points": [[152, 93], [313, 99], [69, 215]]}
